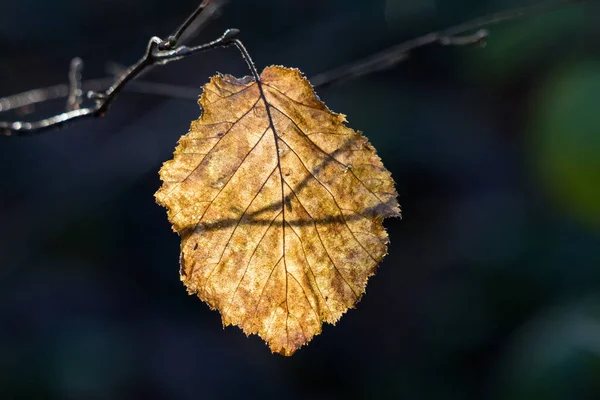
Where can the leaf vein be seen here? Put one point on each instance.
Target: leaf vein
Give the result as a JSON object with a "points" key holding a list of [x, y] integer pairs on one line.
{"points": [[330, 156], [323, 244], [332, 197], [211, 149], [310, 268]]}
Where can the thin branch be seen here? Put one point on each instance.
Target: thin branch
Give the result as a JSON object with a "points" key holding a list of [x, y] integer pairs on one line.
{"points": [[212, 10], [161, 52], [103, 99], [30, 98], [75, 93], [451, 36], [205, 11]]}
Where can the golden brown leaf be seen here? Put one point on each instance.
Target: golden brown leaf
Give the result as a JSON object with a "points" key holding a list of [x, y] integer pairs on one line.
{"points": [[279, 207]]}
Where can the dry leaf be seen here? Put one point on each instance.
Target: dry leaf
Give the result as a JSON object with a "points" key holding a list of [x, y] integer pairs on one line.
{"points": [[279, 207]]}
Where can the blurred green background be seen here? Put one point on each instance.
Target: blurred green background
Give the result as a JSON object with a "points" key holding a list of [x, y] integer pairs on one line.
{"points": [[491, 289]]}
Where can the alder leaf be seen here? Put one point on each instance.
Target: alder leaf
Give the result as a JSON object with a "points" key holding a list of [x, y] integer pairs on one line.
{"points": [[279, 206]]}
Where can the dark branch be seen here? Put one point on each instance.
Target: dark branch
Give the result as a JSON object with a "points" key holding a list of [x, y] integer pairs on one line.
{"points": [[193, 23], [103, 92], [158, 52], [451, 36], [75, 93], [36, 96]]}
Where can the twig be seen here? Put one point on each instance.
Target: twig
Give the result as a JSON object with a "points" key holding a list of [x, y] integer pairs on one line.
{"points": [[103, 100], [451, 36], [192, 23], [161, 52], [75, 93]]}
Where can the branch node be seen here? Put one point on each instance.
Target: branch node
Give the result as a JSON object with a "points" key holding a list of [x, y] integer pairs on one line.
{"points": [[230, 34], [97, 96], [478, 37], [153, 43], [167, 44]]}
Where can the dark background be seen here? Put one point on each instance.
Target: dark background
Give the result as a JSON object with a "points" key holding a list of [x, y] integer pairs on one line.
{"points": [[491, 289]]}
